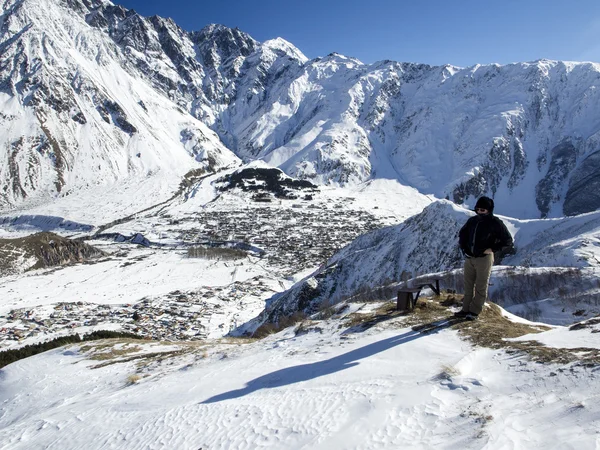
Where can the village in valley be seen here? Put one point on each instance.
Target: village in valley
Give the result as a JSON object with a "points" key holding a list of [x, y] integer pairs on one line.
{"points": [[284, 235]]}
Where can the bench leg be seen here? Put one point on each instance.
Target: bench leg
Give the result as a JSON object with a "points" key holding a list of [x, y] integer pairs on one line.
{"points": [[405, 301], [414, 303]]}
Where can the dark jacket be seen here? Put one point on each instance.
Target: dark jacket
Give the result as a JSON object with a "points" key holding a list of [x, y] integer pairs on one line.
{"points": [[483, 232]]}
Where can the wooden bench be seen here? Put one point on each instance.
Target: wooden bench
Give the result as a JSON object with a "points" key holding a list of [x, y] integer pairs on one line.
{"points": [[407, 297]]}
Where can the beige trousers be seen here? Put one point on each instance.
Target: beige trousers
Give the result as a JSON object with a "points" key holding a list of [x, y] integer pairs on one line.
{"points": [[477, 276]]}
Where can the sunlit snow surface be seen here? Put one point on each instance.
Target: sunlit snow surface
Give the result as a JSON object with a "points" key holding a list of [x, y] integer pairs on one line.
{"points": [[389, 387], [333, 120]]}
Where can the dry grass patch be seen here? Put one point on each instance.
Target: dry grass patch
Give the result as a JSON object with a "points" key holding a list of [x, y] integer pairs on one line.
{"points": [[236, 340], [427, 310], [540, 353], [114, 353], [198, 350], [220, 253], [132, 379], [363, 321], [491, 330], [145, 358], [306, 326], [106, 349], [122, 350], [284, 322]]}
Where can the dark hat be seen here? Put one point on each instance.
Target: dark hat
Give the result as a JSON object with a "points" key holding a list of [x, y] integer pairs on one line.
{"points": [[485, 203]]}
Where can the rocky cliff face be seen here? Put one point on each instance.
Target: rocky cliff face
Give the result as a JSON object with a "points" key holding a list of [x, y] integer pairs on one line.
{"points": [[93, 92], [584, 188]]}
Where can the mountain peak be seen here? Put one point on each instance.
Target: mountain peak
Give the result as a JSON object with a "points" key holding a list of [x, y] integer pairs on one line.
{"points": [[226, 42], [218, 31], [281, 45], [515, 131]]}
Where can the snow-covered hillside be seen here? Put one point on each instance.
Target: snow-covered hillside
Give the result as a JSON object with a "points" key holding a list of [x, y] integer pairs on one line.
{"points": [[323, 384], [94, 94], [428, 243], [75, 115], [204, 185], [150, 265]]}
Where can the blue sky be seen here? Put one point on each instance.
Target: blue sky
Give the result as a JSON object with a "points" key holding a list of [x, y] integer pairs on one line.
{"points": [[460, 32]]}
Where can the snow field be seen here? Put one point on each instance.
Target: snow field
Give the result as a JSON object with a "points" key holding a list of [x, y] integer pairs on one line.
{"points": [[385, 388]]}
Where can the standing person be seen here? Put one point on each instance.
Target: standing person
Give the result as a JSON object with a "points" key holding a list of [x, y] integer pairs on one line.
{"points": [[478, 239]]}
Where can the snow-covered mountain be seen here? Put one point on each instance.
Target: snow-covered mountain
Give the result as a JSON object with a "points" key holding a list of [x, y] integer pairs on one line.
{"points": [[155, 145], [76, 114], [93, 93]]}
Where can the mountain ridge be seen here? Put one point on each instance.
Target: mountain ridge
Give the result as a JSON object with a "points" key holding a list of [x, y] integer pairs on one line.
{"points": [[524, 130]]}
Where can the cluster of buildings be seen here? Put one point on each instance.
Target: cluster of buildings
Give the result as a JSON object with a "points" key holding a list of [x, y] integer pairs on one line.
{"points": [[294, 237], [291, 234], [207, 312]]}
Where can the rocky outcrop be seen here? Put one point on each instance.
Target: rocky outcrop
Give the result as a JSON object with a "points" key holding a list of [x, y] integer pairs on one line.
{"points": [[42, 250], [263, 181], [549, 189], [584, 190]]}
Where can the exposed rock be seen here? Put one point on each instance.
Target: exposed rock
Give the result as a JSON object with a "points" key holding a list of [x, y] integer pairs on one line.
{"points": [[43, 250], [263, 180], [550, 188], [584, 191], [79, 118]]}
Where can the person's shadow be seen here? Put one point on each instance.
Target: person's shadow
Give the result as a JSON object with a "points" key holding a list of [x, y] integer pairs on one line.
{"points": [[304, 372]]}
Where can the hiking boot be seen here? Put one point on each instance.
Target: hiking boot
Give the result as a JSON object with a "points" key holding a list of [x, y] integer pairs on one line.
{"points": [[461, 313], [471, 316]]}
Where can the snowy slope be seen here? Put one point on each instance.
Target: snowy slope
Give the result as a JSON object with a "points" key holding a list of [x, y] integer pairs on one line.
{"points": [[517, 131], [75, 116], [183, 297], [523, 131], [328, 387], [131, 128]]}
